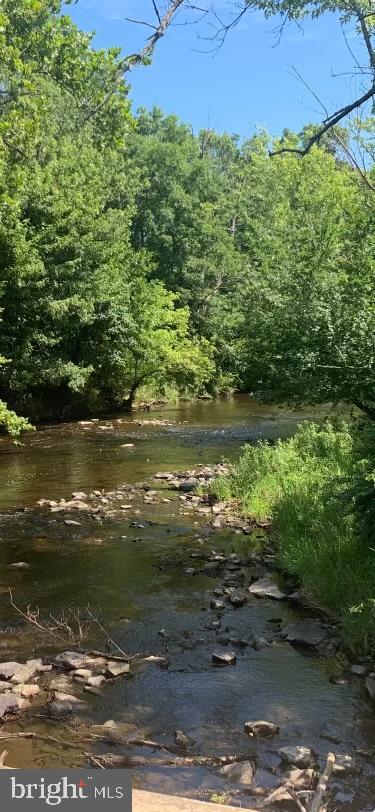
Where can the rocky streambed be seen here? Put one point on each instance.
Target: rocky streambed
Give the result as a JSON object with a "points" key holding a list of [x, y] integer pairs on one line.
{"points": [[228, 685]]}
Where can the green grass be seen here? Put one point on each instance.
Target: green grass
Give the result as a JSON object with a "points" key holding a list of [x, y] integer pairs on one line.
{"points": [[309, 487]]}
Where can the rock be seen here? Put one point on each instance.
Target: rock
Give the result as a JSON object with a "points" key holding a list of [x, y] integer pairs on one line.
{"points": [[240, 642], [80, 495], [19, 565], [214, 604], [127, 445], [96, 682], [300, 779], [38, 663], [190, 571], [370, 687], [182, 740], [72, 523], [261, 729], [345, 765], [60, 683], [8, 669], [74, 504], [304, 633], [266, 588], [29, 691], [4, 686], [58, 709], [117, 668], [359, 670], [297, 756], [10, 703], [239, 772], [224, 658], [237, 598], [71, 659], [24, 674], [72, 700], [188, 485], [260, 643], [82, 674]]}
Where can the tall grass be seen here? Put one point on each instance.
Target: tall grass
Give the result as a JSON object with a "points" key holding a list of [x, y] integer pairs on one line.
{"points": [[310, 487]]}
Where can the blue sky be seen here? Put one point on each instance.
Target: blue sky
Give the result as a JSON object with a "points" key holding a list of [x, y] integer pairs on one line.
{"points": [[249, 83]]}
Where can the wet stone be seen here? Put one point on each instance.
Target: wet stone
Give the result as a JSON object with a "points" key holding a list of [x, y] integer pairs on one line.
{"points": [[240, 772], [117, 668], [237, 599], [260, 643], [297, 756], [216, 604], [182, 740], [266, 588], [261, 729], [224, 657], [304, 633], [359, 670], [345, 765]]}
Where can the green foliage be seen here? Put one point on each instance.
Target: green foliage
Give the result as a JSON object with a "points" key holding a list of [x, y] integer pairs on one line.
{"points": [[311, 487]]}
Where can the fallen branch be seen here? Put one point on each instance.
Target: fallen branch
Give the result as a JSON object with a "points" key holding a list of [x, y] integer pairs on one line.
{"points": [[315, 804], [39, 737]]}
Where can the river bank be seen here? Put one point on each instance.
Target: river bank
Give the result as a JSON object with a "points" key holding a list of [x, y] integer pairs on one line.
{"points": [[134, 566]]}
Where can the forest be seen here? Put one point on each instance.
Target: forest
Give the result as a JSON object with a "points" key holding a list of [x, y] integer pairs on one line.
{"points": [[142, 259]]}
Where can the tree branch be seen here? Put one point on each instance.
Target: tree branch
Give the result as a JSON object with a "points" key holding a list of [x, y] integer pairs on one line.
{"points": [[131, 61], [328, 124]]}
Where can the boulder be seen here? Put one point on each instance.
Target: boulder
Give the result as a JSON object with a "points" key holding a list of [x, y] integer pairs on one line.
{"points": [[24, 674], [28, 691], [304, 633], [58, 709], [8, 669], [10, 703], [71, 659], [117, 668], [266, 588], [96, 682], [239, 772], [261, 729], [80, 495], [224, 657], [82, 674], [237, 598], [297, 756]]}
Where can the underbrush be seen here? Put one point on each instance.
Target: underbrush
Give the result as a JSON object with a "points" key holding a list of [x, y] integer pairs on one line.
{"points": [[318, 490]]}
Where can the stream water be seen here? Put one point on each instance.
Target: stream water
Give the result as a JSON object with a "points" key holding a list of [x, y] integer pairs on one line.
{"points": [[136, 578]]}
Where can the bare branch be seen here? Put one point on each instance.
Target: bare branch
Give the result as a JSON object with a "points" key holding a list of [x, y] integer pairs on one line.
{"points": [[328, 124], [131, 61]]}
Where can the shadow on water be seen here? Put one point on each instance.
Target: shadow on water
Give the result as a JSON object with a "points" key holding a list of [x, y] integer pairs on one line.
{"points": [[136, 578]]}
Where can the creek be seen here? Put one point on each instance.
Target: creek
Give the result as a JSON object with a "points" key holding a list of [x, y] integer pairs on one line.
{"points": [[135, 578]]}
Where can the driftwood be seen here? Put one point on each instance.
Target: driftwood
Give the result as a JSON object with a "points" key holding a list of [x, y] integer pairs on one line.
{"points": [[110, 761], [315, 804]]}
